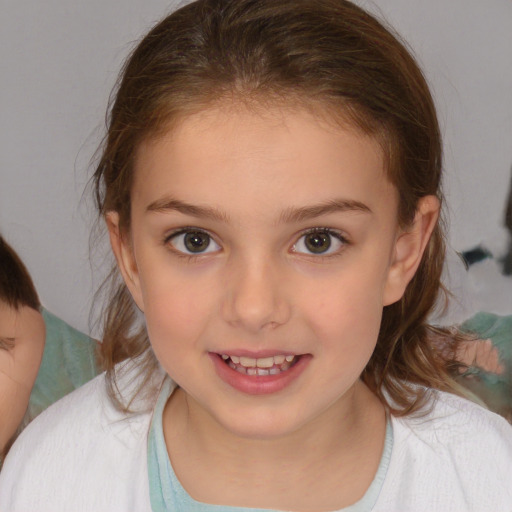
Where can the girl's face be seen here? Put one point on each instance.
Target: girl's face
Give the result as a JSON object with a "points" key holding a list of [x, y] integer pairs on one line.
{"points": [[22, 337], [263, 248]]}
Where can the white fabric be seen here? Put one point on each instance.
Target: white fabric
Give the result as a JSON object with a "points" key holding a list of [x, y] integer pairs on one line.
{"points": [[83, 455], [458, 458], [80, 454]]}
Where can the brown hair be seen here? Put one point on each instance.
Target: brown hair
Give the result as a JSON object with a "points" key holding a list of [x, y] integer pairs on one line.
{"points": [[315, 53], [16, 286]]}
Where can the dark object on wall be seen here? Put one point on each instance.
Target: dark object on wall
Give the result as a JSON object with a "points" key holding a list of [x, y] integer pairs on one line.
{"points": [[507, 259], [475, 255]]}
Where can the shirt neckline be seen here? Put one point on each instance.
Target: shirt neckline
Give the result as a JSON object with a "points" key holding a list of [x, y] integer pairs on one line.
{"points": [[168, 495]]}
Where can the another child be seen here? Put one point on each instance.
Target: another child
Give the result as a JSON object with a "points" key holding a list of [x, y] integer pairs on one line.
{"points": [[22, 340], [271, 185], [42, 358]]}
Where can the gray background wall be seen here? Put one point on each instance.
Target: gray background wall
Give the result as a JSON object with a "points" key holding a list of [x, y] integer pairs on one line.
{"points": [[58, 63]]}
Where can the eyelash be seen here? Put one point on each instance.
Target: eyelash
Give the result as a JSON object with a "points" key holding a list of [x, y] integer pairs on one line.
{"points": [[7, 344], [331, 233], [183, 231], [191, 256]]}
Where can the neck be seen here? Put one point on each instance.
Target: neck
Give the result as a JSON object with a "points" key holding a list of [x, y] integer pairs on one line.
{"points": [[344, 445]]}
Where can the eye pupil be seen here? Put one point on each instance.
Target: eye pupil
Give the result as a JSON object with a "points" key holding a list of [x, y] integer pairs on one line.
{"points": [[318, 242], [196, 242]]}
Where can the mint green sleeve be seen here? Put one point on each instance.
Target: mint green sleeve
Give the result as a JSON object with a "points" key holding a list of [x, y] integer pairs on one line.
{"points": [[68, 362], [495, 389]]}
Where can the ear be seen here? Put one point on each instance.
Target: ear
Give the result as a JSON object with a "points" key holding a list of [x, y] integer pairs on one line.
{"points": [[409, 247], [125, 258]]}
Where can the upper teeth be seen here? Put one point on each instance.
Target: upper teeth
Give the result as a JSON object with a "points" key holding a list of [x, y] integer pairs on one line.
{"points": [[262, 362]]}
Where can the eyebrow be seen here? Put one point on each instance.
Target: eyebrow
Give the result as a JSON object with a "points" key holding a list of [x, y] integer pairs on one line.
{"points": [[334, 206], [170, 204], [289, 215]]}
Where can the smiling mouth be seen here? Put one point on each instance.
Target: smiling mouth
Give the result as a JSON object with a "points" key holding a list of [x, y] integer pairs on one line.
{"points": [[272, 365]]}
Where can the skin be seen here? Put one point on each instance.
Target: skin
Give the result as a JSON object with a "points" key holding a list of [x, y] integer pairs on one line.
{"points": [[258, 288], [22, 335], [481, 353]]}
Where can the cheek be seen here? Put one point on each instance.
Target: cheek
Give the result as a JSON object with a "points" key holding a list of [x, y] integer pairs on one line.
{"points": [[176, 311], [350, 327], [13, 404], [346, 312]]}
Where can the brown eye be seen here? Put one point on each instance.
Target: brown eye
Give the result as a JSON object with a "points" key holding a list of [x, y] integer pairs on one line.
{"points": [[319, 242], [193, 242], [196, 242]]}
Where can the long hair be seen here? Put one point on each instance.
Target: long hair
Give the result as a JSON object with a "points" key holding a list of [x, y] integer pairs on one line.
{"points": [[326, 55]]}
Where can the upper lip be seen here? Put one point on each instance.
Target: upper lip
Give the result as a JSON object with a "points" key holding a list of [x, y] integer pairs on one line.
{"points": [[258, 354]]}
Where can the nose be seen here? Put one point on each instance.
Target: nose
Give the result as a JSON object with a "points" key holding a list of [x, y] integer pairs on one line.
{"points": [[255, 297]]}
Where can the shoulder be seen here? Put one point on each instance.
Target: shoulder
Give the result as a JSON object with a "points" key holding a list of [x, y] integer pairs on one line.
{"points": [[79, 454], [69, 350], [458, 456], [69, 360], [454, 421]]}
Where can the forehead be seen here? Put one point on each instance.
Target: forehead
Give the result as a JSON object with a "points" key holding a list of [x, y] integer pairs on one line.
{"points": [[231, 155], [9, 320], [7, 313]]}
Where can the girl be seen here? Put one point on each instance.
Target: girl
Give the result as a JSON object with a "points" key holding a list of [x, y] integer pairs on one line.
{"points": [[270, 182]]}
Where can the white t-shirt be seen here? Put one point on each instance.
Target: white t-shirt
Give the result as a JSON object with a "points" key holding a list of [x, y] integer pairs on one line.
{"points": [[82, 454]]}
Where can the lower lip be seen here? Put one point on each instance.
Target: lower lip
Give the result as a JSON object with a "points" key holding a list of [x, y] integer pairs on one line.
{"points": [[258, 384]]}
